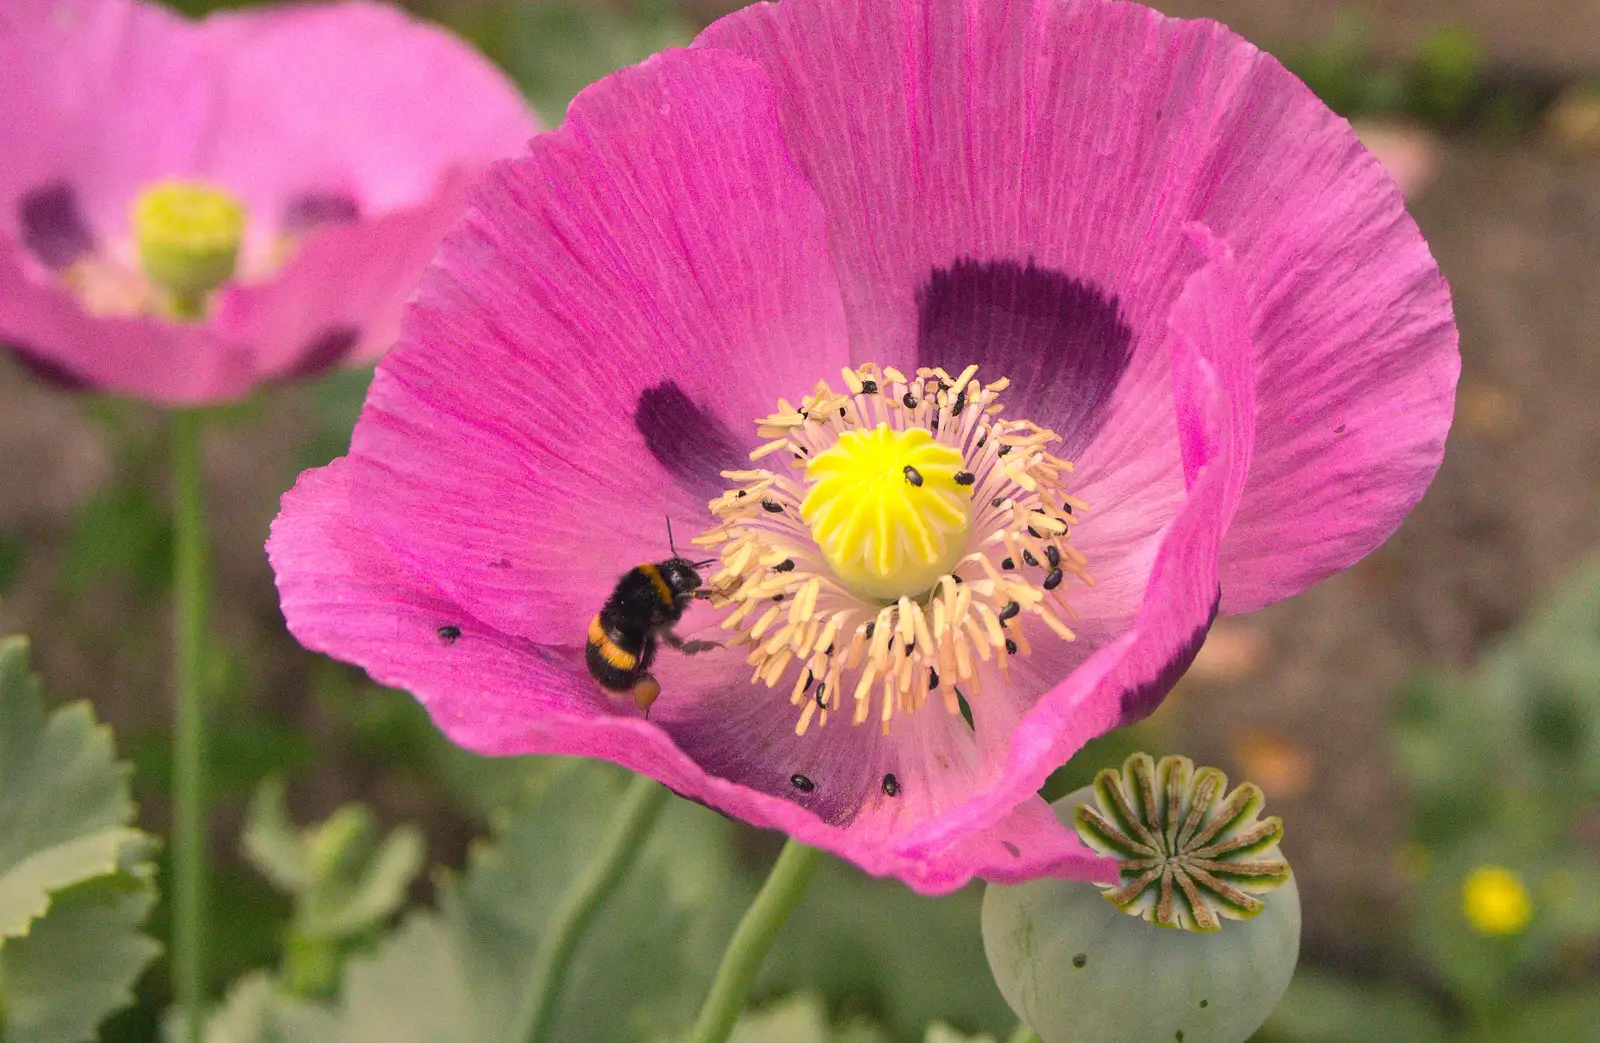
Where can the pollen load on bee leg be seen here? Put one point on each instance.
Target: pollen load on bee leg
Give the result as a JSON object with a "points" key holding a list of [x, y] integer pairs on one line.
{"points": [[646, 692]]}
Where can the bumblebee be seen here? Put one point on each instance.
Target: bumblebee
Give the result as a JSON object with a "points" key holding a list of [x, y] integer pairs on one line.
{"points": [[643, 606]]}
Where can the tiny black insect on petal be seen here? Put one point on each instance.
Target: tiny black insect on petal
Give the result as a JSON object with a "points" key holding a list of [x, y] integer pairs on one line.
{"points": [[983, 441], [786, 565], [998, 501], [1003, 450], [1028, 558], [872, 625], [911, 646], [933, 678], [1011, 647], [943, 386], [448, 634], [1053, 579], [913, 476], [965, 477], [801, 783], [772, 506], [777, 597], [822, 692], [959, 404], [957, 577], [1007, 564], [1052, 554], [908, 401], [841, 412], [869, 387], [891, 785], [1010, 611]]}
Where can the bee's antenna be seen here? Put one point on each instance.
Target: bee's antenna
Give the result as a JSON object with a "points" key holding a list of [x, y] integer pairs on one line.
{"points": [[670, 544]]}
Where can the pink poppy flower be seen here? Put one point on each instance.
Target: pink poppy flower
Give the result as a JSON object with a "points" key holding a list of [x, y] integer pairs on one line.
{"points": [[324, 149], [1171, 266]]}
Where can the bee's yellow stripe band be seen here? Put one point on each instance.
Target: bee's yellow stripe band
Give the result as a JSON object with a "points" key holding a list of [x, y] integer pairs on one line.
{"points": [[659, 581], [610, 651]]}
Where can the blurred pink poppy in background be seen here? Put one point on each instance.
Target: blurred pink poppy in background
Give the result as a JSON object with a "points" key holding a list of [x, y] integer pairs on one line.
{"points": [[1170, 264], [190, 208]]}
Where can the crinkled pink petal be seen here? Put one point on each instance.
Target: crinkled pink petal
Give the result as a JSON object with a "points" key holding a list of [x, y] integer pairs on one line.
{"points": [[1212, 370], [344, 594], [970, 813], [1078, 137], [107, 95], [361, 152], [339, 298], [355, 98], [590, 349], [1086, 197], [45, 324]]}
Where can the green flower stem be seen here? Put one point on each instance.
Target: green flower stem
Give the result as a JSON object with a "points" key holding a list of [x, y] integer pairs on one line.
{"points": [[188, 737], [1025, 1034], [630, 826], [762, 921]]}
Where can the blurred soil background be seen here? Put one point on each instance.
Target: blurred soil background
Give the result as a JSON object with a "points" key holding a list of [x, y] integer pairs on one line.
{"points": [[1482, 108]]}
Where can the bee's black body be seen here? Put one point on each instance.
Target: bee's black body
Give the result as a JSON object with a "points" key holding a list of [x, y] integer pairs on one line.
{"points": [[646, 601]]}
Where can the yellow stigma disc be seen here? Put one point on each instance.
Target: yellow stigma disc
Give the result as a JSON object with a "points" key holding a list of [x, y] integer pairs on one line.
{"points": [[188, 238], [886, 510]]}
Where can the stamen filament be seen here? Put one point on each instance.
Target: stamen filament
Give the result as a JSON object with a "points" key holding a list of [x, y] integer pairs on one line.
{"points": [[803, 611]]}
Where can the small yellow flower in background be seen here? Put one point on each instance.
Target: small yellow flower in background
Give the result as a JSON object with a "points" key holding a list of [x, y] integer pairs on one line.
{"points": [[1495, 901]]}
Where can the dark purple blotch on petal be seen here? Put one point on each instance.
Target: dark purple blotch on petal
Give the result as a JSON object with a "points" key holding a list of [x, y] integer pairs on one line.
{"points": [[305, 212], [53, 228], [325, 352], [1062, 341], [729, 751], [47, 370], [688, 442], [1139, 702]]}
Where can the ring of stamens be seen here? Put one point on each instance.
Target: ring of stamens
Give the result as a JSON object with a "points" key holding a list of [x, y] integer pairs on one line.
{"points": [[795, 617]]}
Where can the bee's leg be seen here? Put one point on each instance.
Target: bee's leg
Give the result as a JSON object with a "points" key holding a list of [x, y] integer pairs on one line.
{"points": [[645, 692], [686, 647]]}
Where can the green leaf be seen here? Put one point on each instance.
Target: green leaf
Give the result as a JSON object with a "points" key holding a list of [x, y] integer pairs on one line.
{"points": [[74, 878], [377, 892], [1320, 1008], [803, 1018], [646, 963], [255, 1011], [639, 973], [271, 842], [798, 1019], [64, 801], [345, 883], [78, 964]]}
